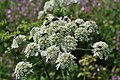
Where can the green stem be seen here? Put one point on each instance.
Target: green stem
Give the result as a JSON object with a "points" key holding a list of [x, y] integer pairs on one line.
{"points": [[36, 63], [68, 72], [63, 74], [67, 77], [84, 77], [45, 67], [83, 49]]}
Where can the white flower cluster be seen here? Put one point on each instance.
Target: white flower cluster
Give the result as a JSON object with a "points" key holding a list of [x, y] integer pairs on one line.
{"points": [[52, 52], [52, 4], [22, 70], [59, 36], [49, 6], [90, 26], [79, 21], [81, 34], [56, 37], [40, 14], [69, 43], [32, 32], [101, 50], [32, 49], [65, 60], [18, 40]]}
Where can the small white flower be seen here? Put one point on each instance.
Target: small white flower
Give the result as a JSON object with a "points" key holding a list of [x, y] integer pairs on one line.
{"points": [[14, 44], [22, 70], [79, 21], [40, 14], [43, 43], [65, 60], [55, 39], [38, 35], [74, 1], [18, 40], [32, 49], [101, 50], [90, 26], [43, 53], [61, 3], [69, 42], [63, 30], [33, 31], [81, 34], [49, 6], [66, 18], [49, 17], [50, 30], [72, 26], [52, 53]]}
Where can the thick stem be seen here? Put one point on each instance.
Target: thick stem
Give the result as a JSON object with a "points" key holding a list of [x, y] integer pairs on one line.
{"points": [[47, 74]]}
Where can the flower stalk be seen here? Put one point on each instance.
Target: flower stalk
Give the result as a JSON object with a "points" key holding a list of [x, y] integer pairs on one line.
{"points": [[83, 49], [46, 72], [62, 72], [69, 74]]}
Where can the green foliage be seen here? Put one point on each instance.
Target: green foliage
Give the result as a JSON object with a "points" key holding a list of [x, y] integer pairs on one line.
{"points": [[3, 5], [87, 67], [58, 12]]}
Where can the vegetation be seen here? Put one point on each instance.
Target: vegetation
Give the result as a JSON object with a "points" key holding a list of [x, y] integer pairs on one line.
{"points": [[92, 52]]}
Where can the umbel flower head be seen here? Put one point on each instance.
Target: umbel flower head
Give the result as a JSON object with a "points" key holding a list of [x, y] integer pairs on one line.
{"points": [[81, 34], [62, 32], [101, 50], [33, 30], [55, 39], [18, 40], [52, 52], [51, 5], [79, 21], [32, 49], [40, 14], [59, 36], [90, 26], [65, 60], [22, 70], [69, 43]]}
